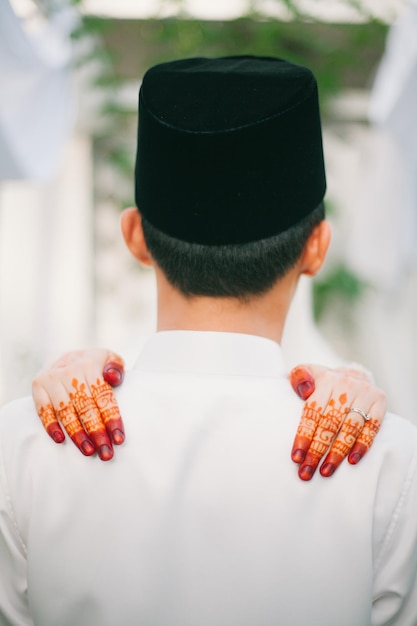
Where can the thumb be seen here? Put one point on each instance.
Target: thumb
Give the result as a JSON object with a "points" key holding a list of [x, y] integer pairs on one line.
{"points": [[114, 370], [302, 381]]}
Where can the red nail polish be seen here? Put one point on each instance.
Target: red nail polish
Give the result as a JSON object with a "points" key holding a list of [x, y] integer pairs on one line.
{"points": [[306, 472], [354, 458], [327, 469], [305, 389], [87, 448], [118, 437], [298, 456], [105, 453], [113, 374], [58, 436]]}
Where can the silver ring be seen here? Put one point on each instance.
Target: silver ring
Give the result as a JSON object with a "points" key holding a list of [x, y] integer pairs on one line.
{"points": [[365, 416]]}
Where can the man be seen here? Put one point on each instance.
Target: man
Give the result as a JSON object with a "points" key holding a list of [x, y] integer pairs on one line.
{"points": [[210, 521]]}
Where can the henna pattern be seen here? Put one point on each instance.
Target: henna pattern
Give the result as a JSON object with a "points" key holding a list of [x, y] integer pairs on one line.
{"points": [[316, 441], [68, 418], [318, 428], [105, 400], [333, 430], [309, 420], [347, 436], [369, 432], [364, 441], [342, 400], [81, 418], [325, 434], [47, 415], [329, 426], [86, 407]]}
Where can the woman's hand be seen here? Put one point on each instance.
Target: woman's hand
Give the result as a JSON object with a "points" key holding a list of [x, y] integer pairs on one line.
{"points": [[75, 392], [341, 417]]}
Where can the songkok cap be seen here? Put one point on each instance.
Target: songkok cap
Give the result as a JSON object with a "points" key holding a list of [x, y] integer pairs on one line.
{"points": [[229, 149]]}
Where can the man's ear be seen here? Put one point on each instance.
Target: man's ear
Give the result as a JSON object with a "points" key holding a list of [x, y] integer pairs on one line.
{"points": [[315, 249], [131, 224]]}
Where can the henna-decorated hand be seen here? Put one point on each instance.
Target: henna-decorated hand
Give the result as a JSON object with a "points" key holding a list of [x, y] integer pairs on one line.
{"points": [[327, 424], [75, 392]]}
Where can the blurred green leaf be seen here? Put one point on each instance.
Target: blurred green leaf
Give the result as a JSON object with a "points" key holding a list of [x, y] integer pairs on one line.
{"points": [[339, 283]]}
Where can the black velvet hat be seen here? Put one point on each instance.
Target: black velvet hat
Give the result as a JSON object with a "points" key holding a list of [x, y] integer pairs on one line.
{"points": [[229, 149]]}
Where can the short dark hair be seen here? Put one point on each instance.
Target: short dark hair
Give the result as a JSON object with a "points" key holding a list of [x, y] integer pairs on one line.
{"points": [[235, 271]]}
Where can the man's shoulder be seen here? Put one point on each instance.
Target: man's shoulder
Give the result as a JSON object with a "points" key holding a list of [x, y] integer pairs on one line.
{"points": [[394, 456], [19, 422], [17, 413], [396, 431], [394, 449]]}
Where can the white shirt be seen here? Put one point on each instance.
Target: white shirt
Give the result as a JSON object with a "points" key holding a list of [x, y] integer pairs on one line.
{"points": [[200, 518]]}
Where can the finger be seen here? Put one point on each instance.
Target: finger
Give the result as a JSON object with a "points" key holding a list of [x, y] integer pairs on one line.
{"points": [[364, 441], [46, 412], [103, 424], [346, 438], [99, 388], [329, 424], [113, 371], [112, 374], [107, 405], [312, 413], [302, 381], [369, 431], [89, 415], [309, 421], [54, 405], [68, 417], [356, 435], [51, 425]]}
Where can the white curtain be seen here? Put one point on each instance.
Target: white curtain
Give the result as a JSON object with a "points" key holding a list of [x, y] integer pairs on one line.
{"points": [[36, 100]]}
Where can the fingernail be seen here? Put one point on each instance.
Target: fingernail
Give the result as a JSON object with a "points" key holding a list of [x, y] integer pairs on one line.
{"points": [[87, 448], [298, 456], [306, 472], [327, 469], [105, 453], [113, 374], [354, 458], [58, 436], [118, 436], [305, 389]]}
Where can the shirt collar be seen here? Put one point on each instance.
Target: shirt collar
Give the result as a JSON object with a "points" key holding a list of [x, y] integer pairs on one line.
{"points": [[209, 352]]}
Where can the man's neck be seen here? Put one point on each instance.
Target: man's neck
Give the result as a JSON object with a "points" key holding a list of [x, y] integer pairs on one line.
{"points": [[262, 315]]}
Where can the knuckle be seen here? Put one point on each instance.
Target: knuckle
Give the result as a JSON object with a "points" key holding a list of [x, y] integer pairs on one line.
{"points": [[328, 376], [381, 396], [37, 384]]}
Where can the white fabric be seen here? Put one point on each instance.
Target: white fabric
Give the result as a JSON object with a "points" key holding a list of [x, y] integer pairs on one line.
{"points": [[380, 231], [395, 87], [200, 519], [36, 102], [383, 234]]}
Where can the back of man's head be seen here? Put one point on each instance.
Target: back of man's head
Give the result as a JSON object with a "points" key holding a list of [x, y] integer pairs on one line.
{"points": [[232, 271], [230, 174]]}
